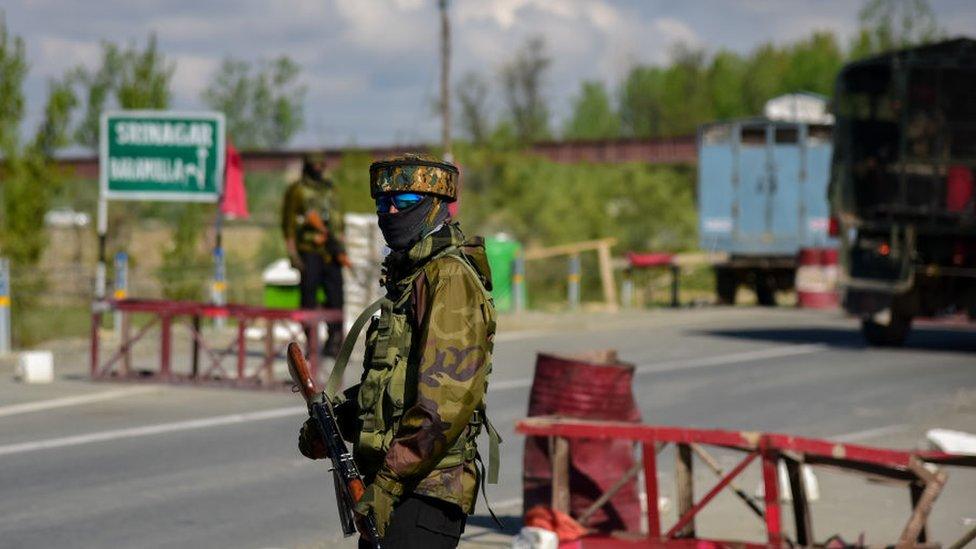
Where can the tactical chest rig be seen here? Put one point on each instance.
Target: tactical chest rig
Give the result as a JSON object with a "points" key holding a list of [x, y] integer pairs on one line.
{"points": [[390, 378]]}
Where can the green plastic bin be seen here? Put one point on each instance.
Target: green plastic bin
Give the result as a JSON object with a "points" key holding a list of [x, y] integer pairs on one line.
{"points": [[501, 251], [281, 286]]}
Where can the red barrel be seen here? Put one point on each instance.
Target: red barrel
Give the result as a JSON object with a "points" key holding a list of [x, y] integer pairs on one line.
{"points": [[592, 386], [816, 278]]}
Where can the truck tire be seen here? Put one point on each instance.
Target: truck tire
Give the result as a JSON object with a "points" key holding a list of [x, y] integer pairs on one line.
{"points": [[725, 287], [765, 290], [892, 335]]}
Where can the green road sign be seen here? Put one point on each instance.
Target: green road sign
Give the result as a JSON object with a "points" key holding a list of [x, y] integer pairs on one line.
{"points": [[162, 155]]}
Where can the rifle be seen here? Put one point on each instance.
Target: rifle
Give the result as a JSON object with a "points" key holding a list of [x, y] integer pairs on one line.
{"points": [[348, 482], [324, 228]]}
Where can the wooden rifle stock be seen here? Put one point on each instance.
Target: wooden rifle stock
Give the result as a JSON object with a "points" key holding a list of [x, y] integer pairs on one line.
{"points": [[349, 483]]}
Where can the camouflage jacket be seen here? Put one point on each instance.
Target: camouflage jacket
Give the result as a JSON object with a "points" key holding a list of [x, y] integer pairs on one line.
{"points": [[451, 336], [306, 207]]}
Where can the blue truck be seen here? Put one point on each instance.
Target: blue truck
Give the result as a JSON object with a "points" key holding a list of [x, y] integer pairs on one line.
{"points": [[762, 196]]}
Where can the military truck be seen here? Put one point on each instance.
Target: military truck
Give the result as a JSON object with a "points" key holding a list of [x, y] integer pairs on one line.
{"points": [[762, 188], [902, 187]]}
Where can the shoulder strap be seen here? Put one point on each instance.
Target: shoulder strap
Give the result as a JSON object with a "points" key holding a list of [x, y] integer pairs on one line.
{"points": [[474, 272], [494, 441], [335, 378]]}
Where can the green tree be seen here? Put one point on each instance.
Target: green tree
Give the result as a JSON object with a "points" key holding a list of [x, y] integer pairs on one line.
{"points": [[145, 77], [263, 103], [523, 79], [133, 78], [29, 176], [54, 131], [763, 78], [593, 116], [472, 98], [13, 70], [185, 266], [892, 24], [641, 102], [685, 98], [724, 83], [814, 64]]}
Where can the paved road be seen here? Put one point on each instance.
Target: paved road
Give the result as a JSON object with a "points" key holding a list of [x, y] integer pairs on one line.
{"points": [[137, 466]]}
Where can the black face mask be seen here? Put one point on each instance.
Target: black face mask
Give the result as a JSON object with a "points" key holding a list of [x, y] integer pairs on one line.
{"points": [[312, 172], [404, 228]]}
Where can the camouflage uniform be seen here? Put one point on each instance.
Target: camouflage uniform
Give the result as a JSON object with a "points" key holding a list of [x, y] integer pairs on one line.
{"points": [[305, 197], [311, 221], [421, 402], [431, 383]]}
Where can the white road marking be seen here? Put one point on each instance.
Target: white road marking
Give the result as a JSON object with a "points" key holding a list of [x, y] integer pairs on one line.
{"points": [[688, 364], [163, 428], [149, 430], [523, 334], [735, 358], [27, 407], [507, 503], [870, 433]]}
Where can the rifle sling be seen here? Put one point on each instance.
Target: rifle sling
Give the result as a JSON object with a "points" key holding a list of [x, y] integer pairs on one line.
{"points": [[335, 378]]}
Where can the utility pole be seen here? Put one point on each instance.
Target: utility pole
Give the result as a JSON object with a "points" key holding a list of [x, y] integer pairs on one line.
{"points": [[445, 81]]}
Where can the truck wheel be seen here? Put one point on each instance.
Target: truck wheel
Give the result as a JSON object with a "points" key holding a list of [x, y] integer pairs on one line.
{"points": [[725, 287], [765, 291], [892, 335]]}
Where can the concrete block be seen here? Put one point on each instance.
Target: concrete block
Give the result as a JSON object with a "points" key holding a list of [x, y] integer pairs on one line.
{"points": [[35, 367]]}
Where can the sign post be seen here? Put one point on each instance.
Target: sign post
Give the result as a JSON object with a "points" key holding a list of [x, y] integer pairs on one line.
{"points": [[5, 346], [121, 286], [157, 155]]}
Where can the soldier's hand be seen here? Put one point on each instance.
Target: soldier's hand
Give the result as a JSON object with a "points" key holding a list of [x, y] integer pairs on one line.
{"points": [[320, 237], [296, 261], [378, 503], [311, 441], [344, 260]]}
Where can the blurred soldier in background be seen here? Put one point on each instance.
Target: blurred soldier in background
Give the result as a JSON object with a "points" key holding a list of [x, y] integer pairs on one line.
{"points": [[312, 223], [421, 402]]}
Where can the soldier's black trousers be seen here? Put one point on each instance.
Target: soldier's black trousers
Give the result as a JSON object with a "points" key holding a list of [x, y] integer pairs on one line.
{"points": [[420, 522], [328, 276]]}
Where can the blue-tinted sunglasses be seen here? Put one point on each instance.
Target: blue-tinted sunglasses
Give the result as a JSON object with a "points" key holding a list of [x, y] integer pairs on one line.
{"points": [[402, 201]]}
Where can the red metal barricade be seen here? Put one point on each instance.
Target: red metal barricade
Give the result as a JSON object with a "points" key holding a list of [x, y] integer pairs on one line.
{"points": [[925, 482], [164, 313]]}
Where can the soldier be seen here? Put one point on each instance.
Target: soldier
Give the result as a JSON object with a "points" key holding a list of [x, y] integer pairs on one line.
{"points": [[421, 400], [312, 225]]}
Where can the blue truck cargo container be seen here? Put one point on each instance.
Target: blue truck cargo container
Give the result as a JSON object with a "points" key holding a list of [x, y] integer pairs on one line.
{"points": [[762, 196]]}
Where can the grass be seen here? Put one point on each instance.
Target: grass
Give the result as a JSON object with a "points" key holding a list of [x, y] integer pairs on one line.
{"points": [[46, 322]]}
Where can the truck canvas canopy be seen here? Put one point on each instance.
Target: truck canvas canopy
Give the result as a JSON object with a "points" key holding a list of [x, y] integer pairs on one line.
{"points": [[906, 134]]}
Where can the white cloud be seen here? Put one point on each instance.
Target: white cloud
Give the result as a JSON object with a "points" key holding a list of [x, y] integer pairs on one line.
{"points": [[672, 30], [507, 13], [55, 55], [193, 73], [383, 26]]}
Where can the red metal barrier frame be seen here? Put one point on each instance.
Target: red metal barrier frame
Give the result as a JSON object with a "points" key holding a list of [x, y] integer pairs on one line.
{"points": [[166, 312], [770, 447]]}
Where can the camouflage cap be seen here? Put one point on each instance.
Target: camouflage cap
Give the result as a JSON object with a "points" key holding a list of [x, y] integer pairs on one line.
{"points": [[411, 172], [313, 157]]}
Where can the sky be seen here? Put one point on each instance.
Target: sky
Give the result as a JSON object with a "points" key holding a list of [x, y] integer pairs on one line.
{"points": [[371, 66]]}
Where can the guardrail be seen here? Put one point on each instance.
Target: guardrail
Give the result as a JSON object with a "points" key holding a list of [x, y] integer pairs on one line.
{"points": [[118, 366]]}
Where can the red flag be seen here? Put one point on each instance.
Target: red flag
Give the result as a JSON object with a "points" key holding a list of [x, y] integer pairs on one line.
{"points": [[234, 205]]}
